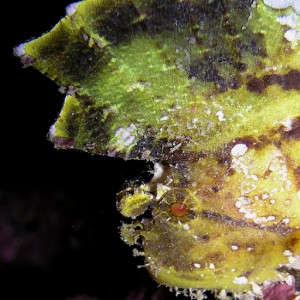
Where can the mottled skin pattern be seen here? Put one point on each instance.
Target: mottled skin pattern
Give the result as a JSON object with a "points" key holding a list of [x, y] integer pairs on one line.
{"points": [[210, 92]]}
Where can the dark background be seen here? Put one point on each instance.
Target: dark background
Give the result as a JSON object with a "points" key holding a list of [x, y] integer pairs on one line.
{"points": [[59, 227]]}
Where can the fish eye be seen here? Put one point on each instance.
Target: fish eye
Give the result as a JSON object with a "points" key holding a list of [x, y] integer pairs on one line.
{"points": [[179, 209], [176, 205]]}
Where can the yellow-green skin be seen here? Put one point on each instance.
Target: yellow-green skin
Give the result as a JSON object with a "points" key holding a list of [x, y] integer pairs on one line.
{"points": [[209, 91]]}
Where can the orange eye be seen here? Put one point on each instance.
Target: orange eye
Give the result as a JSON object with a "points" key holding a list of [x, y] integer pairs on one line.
{"points": [[179, 209]]}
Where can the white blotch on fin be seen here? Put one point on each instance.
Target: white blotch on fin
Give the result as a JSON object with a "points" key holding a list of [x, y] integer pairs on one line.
{"points": [[71, 8], [239, 150], [19, 50]]}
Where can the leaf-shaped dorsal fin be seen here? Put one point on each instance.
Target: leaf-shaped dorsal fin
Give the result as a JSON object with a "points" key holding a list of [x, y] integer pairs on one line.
{"points": [[168, 80]]}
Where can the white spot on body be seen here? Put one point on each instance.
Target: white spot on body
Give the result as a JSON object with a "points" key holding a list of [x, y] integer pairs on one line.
{"points": [[240, 280], [265, 196], [290, 280], [271, 218], [164, 118], [192, 40], [287, 253], [119, 131], [242, 201], [99, 44], [85, 37], [129, 141], [158, 171], [243, 205], [279, 4], [234, 247], [220, 116], [186, 227], [294, 262], [239, 150], [251, 215], [292, 35], [161, 189], [125, 135], [197, 266], [212, 266], [286, 221], [290, 20], [257, 290], [296, 6], [254, 177]]}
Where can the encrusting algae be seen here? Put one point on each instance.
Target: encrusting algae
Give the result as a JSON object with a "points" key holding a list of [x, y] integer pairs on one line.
{"points": [[209, 91]]}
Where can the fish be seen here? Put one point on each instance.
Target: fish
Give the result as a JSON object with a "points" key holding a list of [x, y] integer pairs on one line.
{"points": [[209, 92]]}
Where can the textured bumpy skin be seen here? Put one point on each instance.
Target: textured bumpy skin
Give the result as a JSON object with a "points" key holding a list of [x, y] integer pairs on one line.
{"points": [[210, 92]]}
